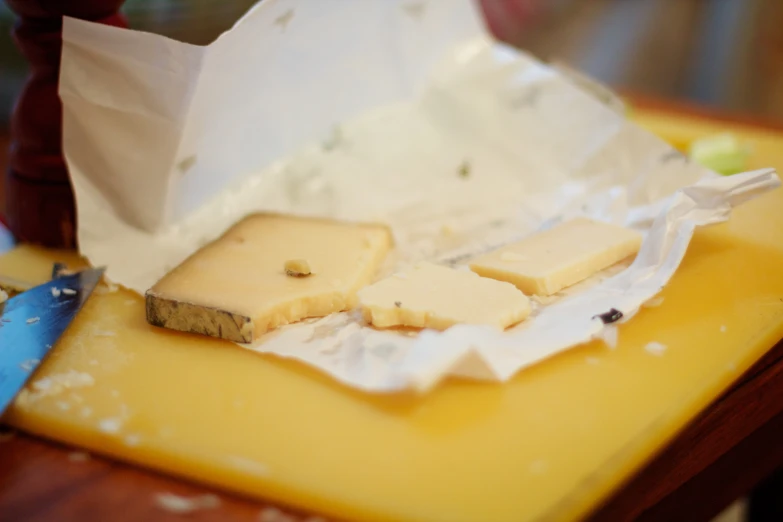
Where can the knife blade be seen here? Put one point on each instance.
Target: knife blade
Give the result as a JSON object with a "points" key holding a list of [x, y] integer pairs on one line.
{"points": [[33, 321]]}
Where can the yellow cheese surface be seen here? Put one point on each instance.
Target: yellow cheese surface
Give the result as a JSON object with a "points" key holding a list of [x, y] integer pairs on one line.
{"points": [[549, 261], [433, 296], [244, 271], [550, 444]]}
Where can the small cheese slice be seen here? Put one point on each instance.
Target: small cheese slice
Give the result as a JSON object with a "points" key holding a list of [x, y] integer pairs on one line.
{"points": [[434, 296], [549, 261], [237, 288]]}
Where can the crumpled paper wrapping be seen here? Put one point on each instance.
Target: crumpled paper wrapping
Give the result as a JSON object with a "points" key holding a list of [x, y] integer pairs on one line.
{"points": [[382, 110]]}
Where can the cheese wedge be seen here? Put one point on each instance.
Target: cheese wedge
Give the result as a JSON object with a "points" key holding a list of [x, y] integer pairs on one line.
{"points": [[434, 296], [549, 261], [237, 287]]}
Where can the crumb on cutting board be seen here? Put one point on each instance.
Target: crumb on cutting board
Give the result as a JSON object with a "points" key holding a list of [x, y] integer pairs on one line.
{"points": [[110, 425], [655, 348], [29, 365]]}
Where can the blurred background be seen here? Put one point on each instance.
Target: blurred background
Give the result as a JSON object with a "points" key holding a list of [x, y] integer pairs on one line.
{"points": [[722, 53]]}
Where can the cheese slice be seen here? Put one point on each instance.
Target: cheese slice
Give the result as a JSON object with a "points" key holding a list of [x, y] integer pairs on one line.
{"points": [[434, 296], [237, 288], [549, 261]]}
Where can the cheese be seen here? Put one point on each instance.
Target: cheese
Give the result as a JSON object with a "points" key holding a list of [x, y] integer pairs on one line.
{"points": [[297, 268], [549, 261], [236, 288], [433, 296]]}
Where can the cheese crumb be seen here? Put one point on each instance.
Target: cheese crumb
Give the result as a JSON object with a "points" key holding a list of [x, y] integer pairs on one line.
{"points": [[3, 296], [29, 365], [78, 456], [111, 425], [652, 303], [132, 439], [723, 328], [69, 291], [297, 268], [56, 292], [57, 383], [183, 505], [249, 465], [33, 320], [655, 348], [593, 360]]}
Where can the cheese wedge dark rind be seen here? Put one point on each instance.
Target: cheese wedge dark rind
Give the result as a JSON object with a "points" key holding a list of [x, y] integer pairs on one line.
{"points": [[199, 319], [237, 287]]}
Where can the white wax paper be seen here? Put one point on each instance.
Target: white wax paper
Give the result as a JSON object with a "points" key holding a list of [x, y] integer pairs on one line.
{"points": [[404, 112]]}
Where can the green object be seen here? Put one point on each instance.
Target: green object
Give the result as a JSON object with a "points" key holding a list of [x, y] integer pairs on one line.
{"points": [[722, 153]]}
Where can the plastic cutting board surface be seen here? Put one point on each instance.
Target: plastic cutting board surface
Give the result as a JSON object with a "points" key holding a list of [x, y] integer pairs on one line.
{"points": [[550, 444]]}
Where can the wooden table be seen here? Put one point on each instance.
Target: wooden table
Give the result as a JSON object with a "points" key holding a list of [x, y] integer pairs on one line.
{"points": [[723, 454]]}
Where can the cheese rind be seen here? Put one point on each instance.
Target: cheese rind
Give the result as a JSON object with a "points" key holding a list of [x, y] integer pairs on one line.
{"points": [[433, 296], [236, 288], [549, 261]]}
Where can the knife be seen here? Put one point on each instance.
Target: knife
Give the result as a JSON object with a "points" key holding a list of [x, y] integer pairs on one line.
{"points": [[31, 323]]}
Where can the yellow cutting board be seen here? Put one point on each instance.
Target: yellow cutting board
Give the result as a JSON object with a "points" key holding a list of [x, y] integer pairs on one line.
{"points": [[548, 445]]}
